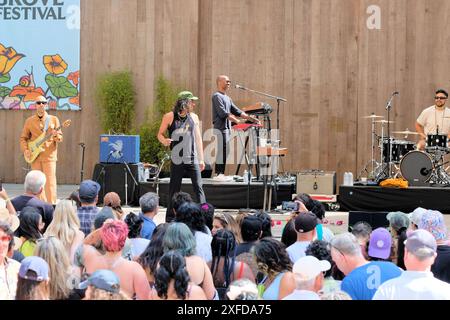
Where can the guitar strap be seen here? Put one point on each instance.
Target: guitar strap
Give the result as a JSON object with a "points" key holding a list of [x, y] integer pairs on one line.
{"points": [[47, 121]]}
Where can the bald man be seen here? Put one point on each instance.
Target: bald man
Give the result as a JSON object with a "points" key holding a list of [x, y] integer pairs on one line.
{"points": [[34, 126], [224, 111]]}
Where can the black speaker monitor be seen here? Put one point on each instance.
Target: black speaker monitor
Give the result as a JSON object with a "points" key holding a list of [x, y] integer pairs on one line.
{"points": [[111, 177], [375, 219]]}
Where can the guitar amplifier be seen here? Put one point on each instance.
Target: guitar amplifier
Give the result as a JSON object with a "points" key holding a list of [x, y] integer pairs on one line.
{"points": [[119, 149], [316, 182]]}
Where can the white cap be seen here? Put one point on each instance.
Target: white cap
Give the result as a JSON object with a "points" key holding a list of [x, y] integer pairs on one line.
{"points": [[309, 267], [416, 215]]}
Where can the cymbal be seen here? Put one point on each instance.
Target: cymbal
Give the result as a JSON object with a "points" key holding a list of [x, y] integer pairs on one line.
{"points": [[407, 132], [373, 116], [384, 121]]}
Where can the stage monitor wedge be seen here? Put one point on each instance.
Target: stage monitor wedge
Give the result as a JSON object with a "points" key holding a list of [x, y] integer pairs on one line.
{"points": [[375, 219]]}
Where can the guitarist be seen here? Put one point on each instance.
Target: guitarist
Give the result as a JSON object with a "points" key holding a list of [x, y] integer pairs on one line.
{"points": [[46, 161]]}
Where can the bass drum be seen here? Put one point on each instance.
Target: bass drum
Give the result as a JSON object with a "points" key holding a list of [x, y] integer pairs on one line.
{"points": [[416, 166]]}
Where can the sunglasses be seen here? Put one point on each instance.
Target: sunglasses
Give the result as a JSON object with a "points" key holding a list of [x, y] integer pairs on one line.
{"points": [[5, 238], [440, 98], [41, 102]]}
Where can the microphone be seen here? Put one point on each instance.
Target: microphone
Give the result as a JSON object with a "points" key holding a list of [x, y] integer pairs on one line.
{"points": [[388, 106], [240, 87]]}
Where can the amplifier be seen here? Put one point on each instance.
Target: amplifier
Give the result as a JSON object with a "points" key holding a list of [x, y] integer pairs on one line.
{"points": [[316, 182], [119, 149]]}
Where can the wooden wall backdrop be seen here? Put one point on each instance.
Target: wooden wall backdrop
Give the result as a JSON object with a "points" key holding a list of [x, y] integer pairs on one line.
{"points": [[318, 54]]}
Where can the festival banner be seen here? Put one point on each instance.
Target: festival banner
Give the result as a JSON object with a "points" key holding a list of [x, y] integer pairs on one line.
{"points": [[40, 53]]}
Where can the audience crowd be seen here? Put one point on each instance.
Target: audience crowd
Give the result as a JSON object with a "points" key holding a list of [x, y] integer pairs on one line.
{"points": [[80, 251]]}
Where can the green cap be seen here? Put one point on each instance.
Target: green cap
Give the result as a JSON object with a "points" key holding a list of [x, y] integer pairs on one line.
{"points": [[187, 95]]}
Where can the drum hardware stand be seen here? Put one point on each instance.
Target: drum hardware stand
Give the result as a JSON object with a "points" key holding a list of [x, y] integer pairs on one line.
{"points": [[439, 175], [371, 175]]}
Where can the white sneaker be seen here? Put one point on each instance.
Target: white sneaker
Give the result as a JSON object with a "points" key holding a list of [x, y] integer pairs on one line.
{"points": [[220, 177]]}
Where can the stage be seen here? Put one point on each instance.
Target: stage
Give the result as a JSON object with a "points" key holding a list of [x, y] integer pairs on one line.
{"points": [[374, 198], [225, 195]]}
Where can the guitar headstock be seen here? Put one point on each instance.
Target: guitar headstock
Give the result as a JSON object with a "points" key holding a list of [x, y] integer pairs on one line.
{"points": [[66, 123]]}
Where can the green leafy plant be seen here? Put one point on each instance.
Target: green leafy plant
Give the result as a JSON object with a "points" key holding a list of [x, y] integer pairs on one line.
{"points": [[116, 99], [152, 150]]}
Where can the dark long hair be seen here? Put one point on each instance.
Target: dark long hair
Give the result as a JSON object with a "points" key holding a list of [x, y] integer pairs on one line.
{"points": [[288, 235], [266, 221], [180, 105], [28, 289], [223, 245], [134, 223], [172, 265], [29, 224], [271, 256], [190, 214], [151, 255]]}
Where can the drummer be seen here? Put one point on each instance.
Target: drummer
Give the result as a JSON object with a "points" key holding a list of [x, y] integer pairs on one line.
{"points": [[433, 120]]}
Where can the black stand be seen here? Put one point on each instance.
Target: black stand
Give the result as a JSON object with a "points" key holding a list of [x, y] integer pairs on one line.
{"points": [[83, 147], [156, 179], [249, 172], [127, 171]]}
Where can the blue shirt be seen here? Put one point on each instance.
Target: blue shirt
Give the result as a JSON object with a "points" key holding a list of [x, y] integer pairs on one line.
{"points": [[87, 216], [148, 227], [363, 282]]}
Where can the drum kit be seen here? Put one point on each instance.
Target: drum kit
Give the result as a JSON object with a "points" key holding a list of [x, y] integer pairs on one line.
{"points": [[401, 158]]}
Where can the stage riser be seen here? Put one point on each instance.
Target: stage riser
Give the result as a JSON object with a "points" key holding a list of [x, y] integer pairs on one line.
{"points": [[226, 196], [362, 198]]}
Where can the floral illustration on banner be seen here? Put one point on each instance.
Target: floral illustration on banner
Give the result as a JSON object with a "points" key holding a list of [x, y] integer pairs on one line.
{"points": [[57, 88]]}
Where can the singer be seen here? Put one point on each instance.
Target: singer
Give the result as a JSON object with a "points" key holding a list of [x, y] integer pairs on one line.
{"points": [[224, 111], [186, 145], [434, 120]]}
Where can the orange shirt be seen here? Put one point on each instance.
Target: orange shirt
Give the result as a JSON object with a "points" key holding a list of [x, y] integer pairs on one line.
{"points": [[33, 128]]}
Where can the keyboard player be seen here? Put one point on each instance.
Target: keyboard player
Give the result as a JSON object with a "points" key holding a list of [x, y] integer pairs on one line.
{"points": [[224, 111]]}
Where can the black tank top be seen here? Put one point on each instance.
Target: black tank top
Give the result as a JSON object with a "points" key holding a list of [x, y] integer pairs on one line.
{"points": [[181, 131]]}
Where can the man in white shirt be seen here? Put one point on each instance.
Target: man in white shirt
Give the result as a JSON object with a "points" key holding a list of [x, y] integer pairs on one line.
{"points": [[433, 120], [308, 273], [418, 282]]}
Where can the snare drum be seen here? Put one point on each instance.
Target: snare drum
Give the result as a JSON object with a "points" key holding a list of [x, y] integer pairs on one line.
{"points": [[416, 166], [436, 141]]}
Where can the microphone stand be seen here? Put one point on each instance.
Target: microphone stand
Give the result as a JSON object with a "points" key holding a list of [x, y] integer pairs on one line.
{"points": [[388, 108], [127, 170], [83, 147], [279, 99], [156, 180]]}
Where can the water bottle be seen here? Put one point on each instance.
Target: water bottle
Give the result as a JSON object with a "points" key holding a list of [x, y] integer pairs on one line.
{"points": [[350, 178], [345, 178], [245, 176], [146, 174]]}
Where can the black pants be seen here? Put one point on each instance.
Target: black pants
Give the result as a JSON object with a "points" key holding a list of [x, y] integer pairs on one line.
{"points": [[222, 151], [176, 177]]}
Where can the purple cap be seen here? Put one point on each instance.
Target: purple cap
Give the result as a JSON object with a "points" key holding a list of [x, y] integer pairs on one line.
{"points": [[380, 243], [36, 264]]}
